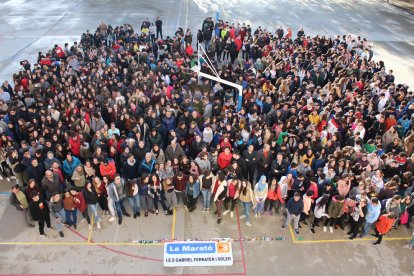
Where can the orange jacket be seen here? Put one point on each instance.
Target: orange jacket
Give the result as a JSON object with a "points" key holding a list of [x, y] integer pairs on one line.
{"points": [[384, 224], [275, 196]]}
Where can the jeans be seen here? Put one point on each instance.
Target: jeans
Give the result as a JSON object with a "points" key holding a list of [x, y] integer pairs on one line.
{"points": [[120, 207], [71, 216], [206, 198], [94, 209], [135, 205], [111, 206], [367, 227], [60, 219], [259, 207], [412, 242], [295, 220], [246, 209], [146, 203]]}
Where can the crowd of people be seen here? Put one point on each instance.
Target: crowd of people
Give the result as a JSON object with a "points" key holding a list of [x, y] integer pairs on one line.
{"points": [[118, 125]]}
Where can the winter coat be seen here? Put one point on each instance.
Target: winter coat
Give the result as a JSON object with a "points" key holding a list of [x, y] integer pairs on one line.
{"points": [[335, 208], [69, 167], [170, 154]]}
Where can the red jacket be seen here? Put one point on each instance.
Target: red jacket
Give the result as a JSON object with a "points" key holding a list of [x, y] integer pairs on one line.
{"points": [[224, 160], [108, 170], [384, 224], [75, 145], [81, 205]]}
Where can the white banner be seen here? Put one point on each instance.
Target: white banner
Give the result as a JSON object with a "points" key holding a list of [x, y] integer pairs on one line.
{"points": [[198, 253]]}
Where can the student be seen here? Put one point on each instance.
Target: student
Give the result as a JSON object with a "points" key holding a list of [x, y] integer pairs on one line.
{"points": [[247, 200], [294, 208], [232, 196], [383, 226], [374, 211], [40, 212], [220, 194], [56, 206], [260, 194], [192, 192], [207, 179], [92, 198], [18, 199]]}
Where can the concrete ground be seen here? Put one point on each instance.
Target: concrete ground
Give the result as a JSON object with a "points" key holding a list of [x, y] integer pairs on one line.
{"points": [[29, 26], [114, 248]]}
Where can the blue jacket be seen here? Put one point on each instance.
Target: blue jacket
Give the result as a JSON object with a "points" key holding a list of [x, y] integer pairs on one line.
{"points": [[69, 168], [196, 189], [145, 167], [373, 212]]}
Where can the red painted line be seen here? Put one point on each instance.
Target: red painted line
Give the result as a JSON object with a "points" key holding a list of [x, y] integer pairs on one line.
{"points": [[114, 250], [240, 239]]}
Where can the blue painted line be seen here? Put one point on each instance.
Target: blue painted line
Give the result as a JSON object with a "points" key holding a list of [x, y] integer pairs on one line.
{"points": [[5, 193]]}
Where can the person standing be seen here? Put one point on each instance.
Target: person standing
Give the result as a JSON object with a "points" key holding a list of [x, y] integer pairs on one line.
{"points": [[117, 193], [192, 192], [232, 195], [260, 195], [91, 198], [180, 182], [18, 199], [158, 24], [383, 226], [81, 205], [220, 195], [207, 179], [39, 212], [335, 211], [294, 208], [357, 218], [132, 191], [56, 206], [70, 210], [247, 200], [250, 156], [374, 211], [170, 196]]}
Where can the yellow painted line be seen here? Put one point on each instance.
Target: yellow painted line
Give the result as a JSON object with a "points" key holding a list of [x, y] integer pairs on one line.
{"points": [[173, 225], [83, 243], [293, 235], [354, 240], [90, 232]]}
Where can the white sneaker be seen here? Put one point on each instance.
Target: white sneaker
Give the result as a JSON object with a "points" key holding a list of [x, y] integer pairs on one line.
{"points": [[43, 237], [242, 217], [324, 229], [1, 177], [330, 229], [112, 219], [83, 220], [89, 227], [12, 177], [249, 224], [225, 212], [256, 215], [231, 214], [98, 225], [407, 246]]}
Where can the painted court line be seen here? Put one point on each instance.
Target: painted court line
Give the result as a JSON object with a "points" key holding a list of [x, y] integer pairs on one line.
{"points": [[173, 224]]}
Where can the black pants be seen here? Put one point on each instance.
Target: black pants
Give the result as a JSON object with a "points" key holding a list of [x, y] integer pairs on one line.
{"points": [[42, 224], [86, 216], [191, 202], [330, 221], [270, 204], [379, 236], [231, 200], [159, 31], [316, 221], [250, 172], [303, 216], [103, 202], [355, 226]]}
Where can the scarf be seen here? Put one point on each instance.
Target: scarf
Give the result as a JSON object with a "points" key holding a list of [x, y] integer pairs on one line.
{"points": [[261, 183]]}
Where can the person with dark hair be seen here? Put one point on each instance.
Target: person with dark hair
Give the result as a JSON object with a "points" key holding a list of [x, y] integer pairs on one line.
{"points": [[294, 208], [19, 200], [247, 200], [117, 193], [383, 226], [373, 213], [39, 212], [180, 184], [335, 211], [220, 193], [357, 218], [192, 192]]}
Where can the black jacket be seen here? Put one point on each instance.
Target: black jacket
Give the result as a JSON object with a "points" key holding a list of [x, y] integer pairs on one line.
{"points": [[91, 197], [39, 210], [130, 171]]}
